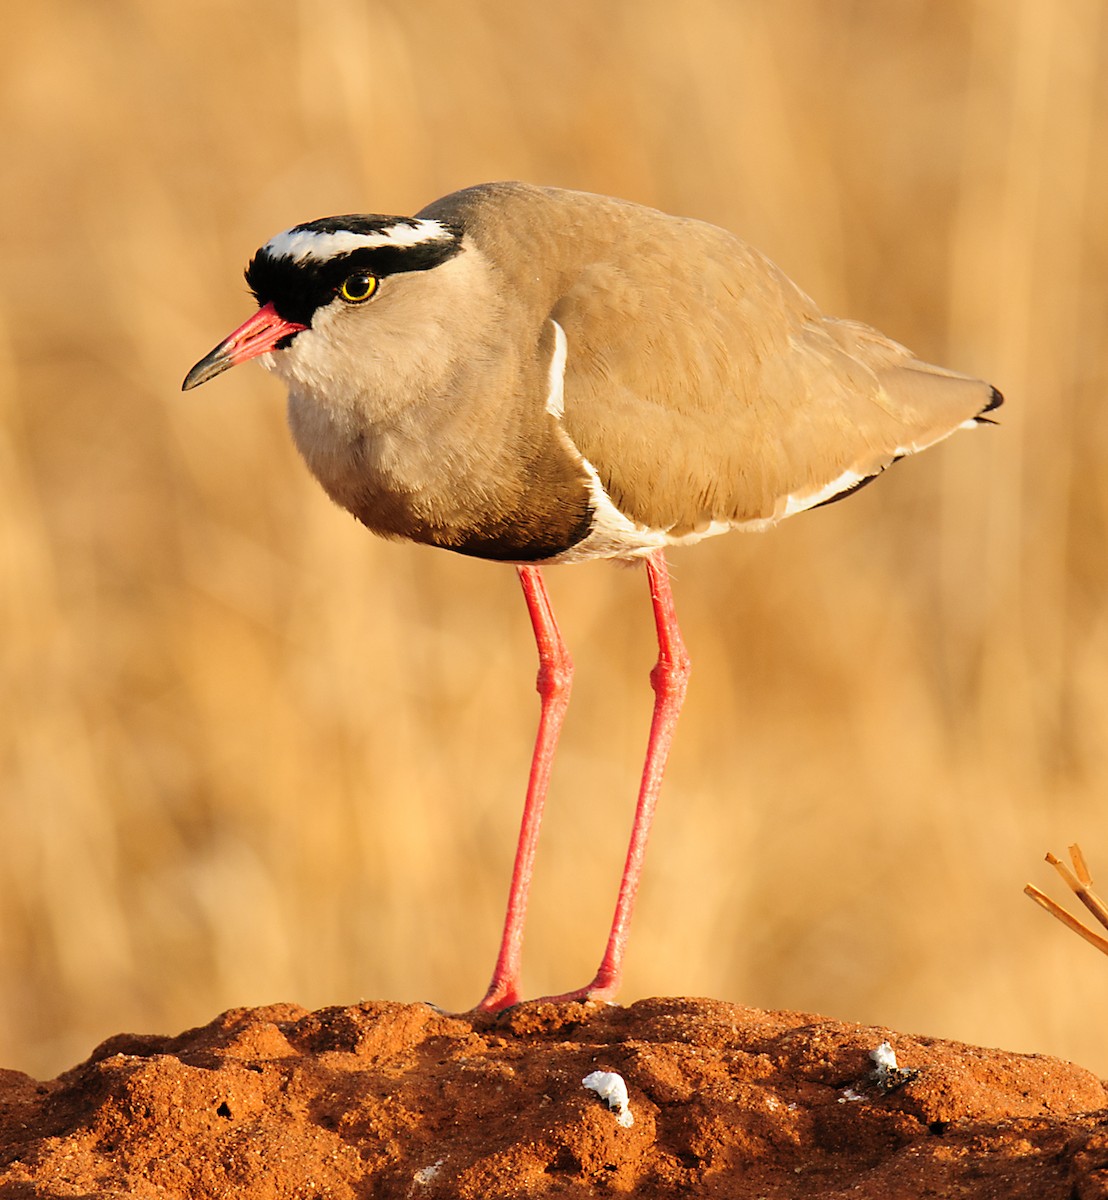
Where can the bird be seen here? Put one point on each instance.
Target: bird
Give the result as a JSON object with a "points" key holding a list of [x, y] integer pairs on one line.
{"points": [[537, 376]]}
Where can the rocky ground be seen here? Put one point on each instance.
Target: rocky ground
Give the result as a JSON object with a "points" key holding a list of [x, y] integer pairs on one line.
{"points": [[389, 1100]]}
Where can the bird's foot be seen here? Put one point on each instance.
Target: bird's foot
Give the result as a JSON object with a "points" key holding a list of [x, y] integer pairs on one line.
{"points": [[602, 992], [505, 993], [502, 994]]}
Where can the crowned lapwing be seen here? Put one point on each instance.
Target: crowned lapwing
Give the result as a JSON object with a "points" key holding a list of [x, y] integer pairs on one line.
{"points": [[536, 376]]}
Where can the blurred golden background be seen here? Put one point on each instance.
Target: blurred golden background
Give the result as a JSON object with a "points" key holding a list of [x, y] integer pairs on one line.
{"points": [[250, 753]]}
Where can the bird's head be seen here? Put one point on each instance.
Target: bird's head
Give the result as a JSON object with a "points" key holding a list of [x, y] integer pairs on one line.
{"points": [[317, 283]]}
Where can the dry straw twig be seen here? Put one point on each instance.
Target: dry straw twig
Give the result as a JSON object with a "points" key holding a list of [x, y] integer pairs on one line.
{"points": [[1080, 882]]}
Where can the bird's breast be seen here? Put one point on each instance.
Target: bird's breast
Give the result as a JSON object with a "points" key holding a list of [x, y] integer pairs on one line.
{"points": [[441, 482]]}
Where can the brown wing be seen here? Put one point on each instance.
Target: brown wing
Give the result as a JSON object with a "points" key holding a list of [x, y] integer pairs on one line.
{"points": [[704, 386], [701, 383]]}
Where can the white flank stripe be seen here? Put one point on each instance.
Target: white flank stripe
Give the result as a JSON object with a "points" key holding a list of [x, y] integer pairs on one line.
{"points": [[795, 504], [301, 244], [556, 376]]}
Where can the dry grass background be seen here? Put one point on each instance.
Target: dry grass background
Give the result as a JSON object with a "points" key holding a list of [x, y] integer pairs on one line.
{"points": [[249, 753]]}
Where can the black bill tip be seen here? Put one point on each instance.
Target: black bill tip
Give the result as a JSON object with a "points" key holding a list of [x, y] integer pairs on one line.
{"points": [[211, 365]]}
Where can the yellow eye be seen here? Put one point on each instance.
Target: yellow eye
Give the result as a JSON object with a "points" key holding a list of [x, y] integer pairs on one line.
{"points": [[356, 289]]}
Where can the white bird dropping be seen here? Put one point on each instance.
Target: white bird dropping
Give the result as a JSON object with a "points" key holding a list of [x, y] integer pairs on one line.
{"points": [[610, 1087], [885, 1058]]}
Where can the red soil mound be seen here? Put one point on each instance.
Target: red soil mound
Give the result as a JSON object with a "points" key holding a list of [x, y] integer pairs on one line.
{"points": [[390, 1100]]}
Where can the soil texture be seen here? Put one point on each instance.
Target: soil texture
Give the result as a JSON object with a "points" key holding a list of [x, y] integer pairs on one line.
{"points": [[384, 1100]]}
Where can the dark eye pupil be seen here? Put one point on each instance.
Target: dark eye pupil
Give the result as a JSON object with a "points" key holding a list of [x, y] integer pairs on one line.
{"points": [[358, 287]]}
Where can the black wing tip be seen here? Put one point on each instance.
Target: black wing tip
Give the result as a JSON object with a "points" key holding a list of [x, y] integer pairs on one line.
{"points": [[995, 401]]}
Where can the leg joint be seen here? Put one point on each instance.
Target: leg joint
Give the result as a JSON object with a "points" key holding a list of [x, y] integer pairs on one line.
{"points": [[670, 675], [555, 673]]}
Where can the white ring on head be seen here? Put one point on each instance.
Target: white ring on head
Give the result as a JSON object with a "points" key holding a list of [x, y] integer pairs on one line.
{"points": [[302, 244]]}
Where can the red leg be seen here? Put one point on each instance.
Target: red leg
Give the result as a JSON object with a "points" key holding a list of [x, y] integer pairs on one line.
{"points": [[555, 678], [669, 679]]}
